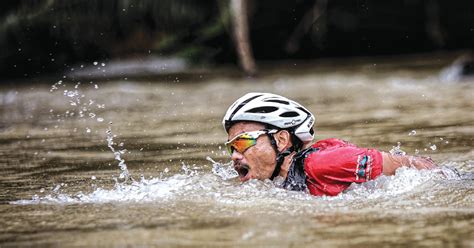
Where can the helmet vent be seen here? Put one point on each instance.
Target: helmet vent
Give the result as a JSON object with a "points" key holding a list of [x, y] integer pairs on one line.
{"points": [[267, 109], [289, 114], [304, 110], [278, 101], [241, 105]]}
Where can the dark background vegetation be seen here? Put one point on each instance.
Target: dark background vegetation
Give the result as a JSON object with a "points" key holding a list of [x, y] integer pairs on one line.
{"points": [[45, 36]]}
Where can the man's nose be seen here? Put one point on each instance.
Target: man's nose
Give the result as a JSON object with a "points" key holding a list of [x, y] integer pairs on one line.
{"points": [[236, 156]]}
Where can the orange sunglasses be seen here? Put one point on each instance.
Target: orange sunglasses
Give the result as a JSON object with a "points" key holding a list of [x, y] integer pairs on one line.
{"points": [[244, 141]]}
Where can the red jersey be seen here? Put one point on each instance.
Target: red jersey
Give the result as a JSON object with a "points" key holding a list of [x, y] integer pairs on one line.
{"points": [[331, 165]]}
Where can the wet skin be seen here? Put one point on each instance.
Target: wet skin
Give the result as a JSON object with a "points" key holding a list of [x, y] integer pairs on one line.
{"points": [[258, 161]]}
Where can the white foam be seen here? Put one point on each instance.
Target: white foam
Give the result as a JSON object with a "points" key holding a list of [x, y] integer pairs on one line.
{"points": [[143, 191], [194, 185]]}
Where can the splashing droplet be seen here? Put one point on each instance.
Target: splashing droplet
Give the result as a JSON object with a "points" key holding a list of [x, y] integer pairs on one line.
{"points": [[224, 171], [124, 175], [71, 93], [56, 189], [396, 150]]}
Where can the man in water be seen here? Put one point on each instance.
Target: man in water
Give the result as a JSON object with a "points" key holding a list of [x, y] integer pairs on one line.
{"points": [[270, 136]]}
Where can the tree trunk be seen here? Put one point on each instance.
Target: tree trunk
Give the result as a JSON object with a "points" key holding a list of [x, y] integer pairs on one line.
{"points": [[239, 12]]}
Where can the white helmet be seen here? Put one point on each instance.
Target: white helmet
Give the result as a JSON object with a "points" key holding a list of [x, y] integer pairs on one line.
{"points": [[274, 110]]}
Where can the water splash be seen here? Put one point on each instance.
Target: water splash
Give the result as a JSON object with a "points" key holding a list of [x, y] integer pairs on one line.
{"points": [[124, 174], [143, 191], [84, 108], [396, 150], [405, 180], [224, 171], [56, 85], [217, 187]]}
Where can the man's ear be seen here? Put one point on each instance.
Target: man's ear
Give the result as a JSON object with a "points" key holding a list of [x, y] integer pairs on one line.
{"points": [[283, 140]]}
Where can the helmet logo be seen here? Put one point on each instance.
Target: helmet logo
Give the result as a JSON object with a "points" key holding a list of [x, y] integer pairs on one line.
{"points": [[292, 122], [310, 123]]}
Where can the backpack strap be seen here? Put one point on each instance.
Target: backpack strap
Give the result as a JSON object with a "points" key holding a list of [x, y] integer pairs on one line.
{"points": [[296, 178]]}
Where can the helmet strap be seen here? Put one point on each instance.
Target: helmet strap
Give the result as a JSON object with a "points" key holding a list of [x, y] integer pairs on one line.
{"points": [[280, 156]]}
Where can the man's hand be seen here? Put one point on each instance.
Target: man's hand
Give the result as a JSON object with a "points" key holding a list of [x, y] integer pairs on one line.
{"points": [[392, 162]]}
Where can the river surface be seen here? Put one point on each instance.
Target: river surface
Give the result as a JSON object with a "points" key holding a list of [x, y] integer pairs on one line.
{"points": [[128, 162]]}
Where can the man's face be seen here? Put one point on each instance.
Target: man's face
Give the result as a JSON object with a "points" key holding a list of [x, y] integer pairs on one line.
{"points": [[257, 161]]}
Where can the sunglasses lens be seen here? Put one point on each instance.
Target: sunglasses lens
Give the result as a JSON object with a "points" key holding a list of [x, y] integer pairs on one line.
{"points": [[241, 143]]}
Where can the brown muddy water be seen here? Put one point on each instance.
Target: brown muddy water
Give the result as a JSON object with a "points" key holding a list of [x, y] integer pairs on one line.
{"points": [[170, 182]]}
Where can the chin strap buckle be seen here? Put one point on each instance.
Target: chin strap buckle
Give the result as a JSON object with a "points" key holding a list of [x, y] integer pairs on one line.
{"points": [[279, 161]]}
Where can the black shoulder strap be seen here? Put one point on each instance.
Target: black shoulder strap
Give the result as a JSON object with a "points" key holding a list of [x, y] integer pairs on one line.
{"points": [[296, 178]]}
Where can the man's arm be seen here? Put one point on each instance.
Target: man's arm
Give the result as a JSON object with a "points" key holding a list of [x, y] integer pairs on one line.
{"points": [[392, 162]]}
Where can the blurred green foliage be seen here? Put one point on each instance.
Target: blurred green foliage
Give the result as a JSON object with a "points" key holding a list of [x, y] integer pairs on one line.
{"points": [[38, 36]]}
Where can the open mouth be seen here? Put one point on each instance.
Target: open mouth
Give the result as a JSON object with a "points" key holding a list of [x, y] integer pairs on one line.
{"points": [[243, 170]]}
